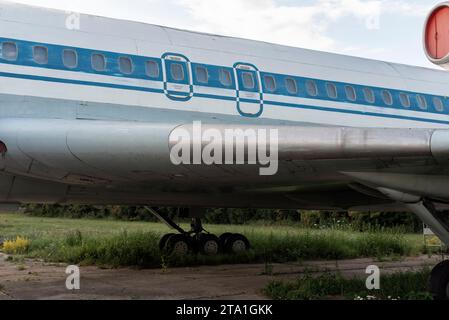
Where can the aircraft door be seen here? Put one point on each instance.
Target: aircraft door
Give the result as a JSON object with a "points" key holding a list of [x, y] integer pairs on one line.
{"points": [[177, 75], [249, 90]]}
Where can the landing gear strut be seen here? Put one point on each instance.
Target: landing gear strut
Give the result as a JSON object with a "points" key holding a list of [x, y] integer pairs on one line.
{"points": [[198, 240], [425, 210]]}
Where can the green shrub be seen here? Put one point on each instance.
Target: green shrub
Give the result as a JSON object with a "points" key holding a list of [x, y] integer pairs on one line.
{"points": [[399, 286], [309, 219]]}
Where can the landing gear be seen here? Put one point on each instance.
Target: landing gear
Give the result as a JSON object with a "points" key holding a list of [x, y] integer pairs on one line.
{"points": [[223, 238], [198, 240], [425, 210], [208, 244], [234, 243], [179, 244], [439, 281]]}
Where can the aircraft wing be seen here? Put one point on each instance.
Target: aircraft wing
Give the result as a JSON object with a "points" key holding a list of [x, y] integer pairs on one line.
{"points": [[136, 158]]}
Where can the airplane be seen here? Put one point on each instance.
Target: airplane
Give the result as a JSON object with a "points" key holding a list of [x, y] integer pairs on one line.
{"points": [[91, 109]]}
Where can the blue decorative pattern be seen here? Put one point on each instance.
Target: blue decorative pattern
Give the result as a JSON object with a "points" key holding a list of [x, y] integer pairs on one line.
{"points": [[55, 62]]}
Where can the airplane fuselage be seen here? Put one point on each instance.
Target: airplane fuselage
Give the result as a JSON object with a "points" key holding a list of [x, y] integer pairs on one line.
{"points": [[78, 79]]}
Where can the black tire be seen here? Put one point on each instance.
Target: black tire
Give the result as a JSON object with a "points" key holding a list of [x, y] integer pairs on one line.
{"points": [[223, 239], [163, 241], [237, 243], [439, 281], [179, 244], [208, 244]]}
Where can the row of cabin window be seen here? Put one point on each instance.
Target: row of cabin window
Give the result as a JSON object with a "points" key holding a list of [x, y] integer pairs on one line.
{"points": [[225, 76], [10, 52], [351, 94], [70, 60], [126, 66]]}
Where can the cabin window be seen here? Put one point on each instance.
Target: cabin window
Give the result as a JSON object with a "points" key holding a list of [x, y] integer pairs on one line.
{"points": [[422, 102], [40, 54], [202, 75], [98, 62], [311, 88], [438, 104], [70, 58], [177, 72], [331, 90], [405, 100], [126, 65], [369, 95], [248, 80], [387, 97], [350, 93], [9, 51], [152, 69], [270, 83], [225, 77], [291, 85]]}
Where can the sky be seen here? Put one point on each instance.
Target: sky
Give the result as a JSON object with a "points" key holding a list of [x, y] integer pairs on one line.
{"points": [[389, 30]]}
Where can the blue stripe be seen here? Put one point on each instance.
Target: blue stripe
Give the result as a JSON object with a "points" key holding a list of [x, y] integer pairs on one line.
{"points": [[55, 62], [78, 82], [249, 100], [215, 97], [310, 107], [373, 114]]}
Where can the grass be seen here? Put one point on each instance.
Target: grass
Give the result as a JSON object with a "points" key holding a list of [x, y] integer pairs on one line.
{"points": [[117, 243], [398, 286]]}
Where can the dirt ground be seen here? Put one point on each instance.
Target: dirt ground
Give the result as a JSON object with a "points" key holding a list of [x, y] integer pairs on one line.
{"points": [[34, 280]]}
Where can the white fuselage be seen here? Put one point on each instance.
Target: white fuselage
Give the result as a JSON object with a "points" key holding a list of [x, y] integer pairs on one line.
{"points": [[81, 89], [59, 71]]}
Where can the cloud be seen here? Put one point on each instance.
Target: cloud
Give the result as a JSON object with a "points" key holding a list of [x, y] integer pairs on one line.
{"points": [[407, 8], [330, 25], [297, 25], [304, 25]]}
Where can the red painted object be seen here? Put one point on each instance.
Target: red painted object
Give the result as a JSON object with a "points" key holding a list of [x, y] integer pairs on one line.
{"points": [[437, 33]]}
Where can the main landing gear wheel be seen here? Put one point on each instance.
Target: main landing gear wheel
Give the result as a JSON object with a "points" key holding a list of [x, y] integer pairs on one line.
{"points": [[208, 244], [179, 245], [236, 243], [439, 281]]}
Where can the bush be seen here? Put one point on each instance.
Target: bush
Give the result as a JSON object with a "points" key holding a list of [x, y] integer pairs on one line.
{"points": [[311, 219], [399, 286]]}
